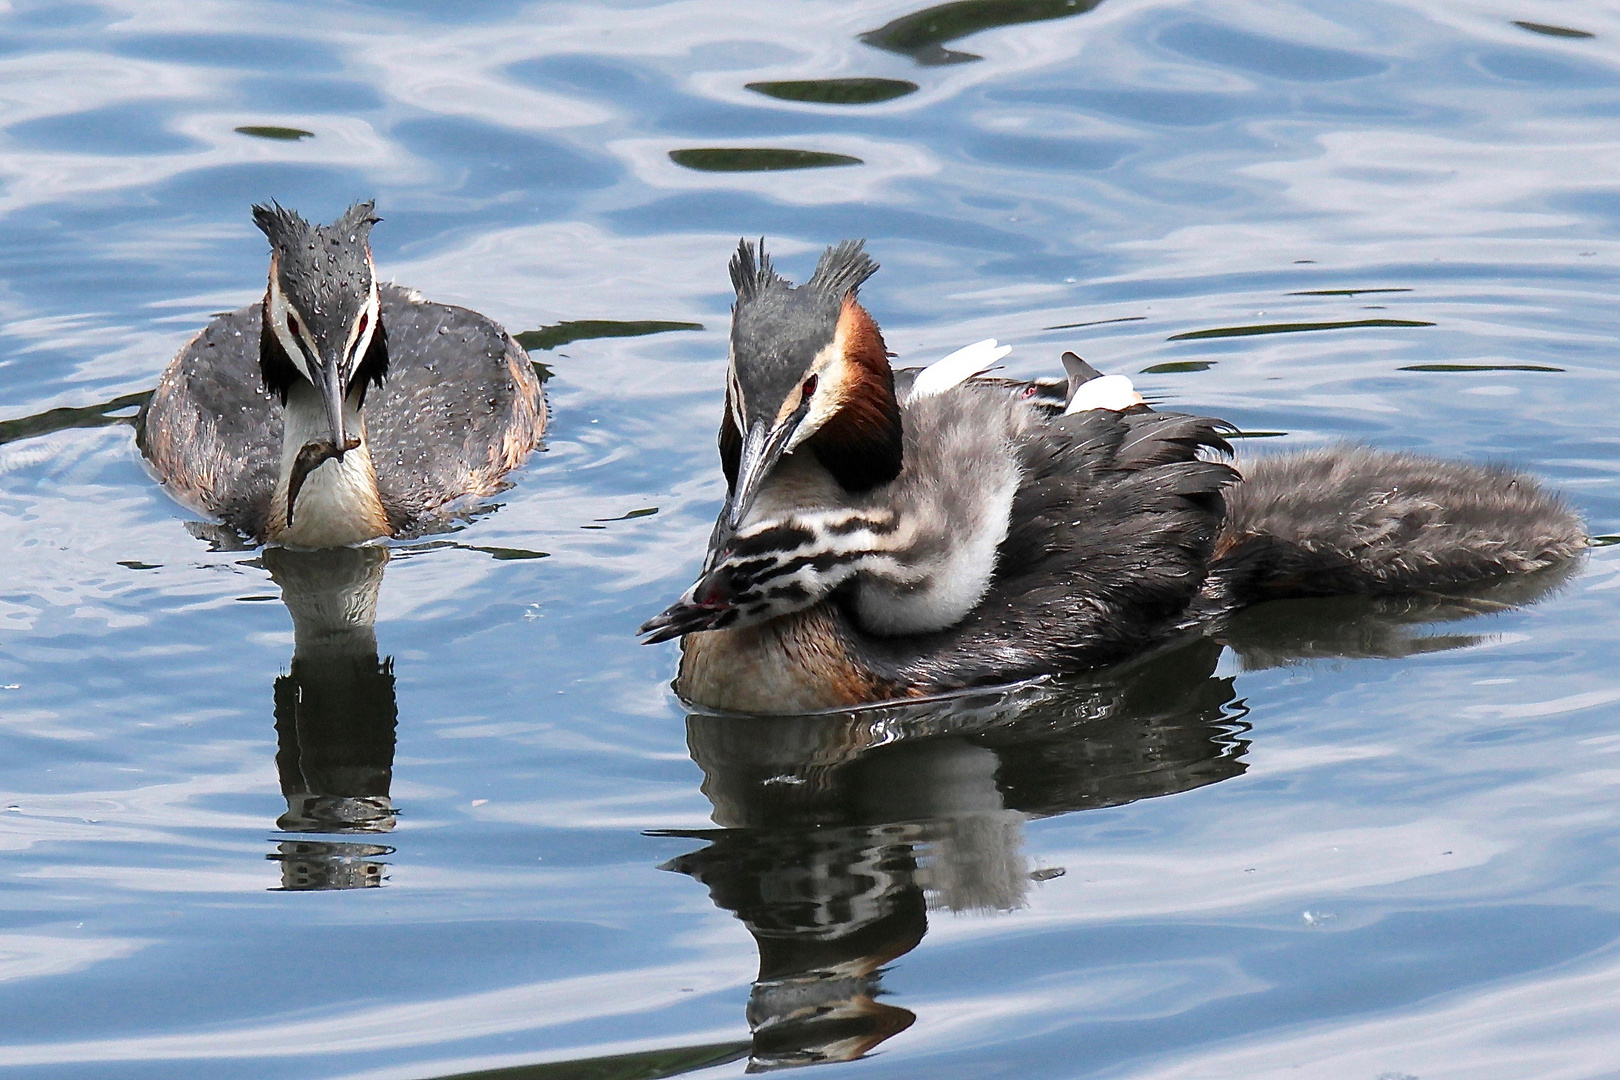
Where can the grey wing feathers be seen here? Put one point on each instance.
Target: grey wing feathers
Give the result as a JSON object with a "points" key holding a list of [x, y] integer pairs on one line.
{"points": [[210, 431], [1351, 520], [1111, 530], [460, 408], [904, 379]]}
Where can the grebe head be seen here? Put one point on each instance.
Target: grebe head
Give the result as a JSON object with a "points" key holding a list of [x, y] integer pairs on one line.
{"points": [[322, 312], [809, 380], [808, 369]]}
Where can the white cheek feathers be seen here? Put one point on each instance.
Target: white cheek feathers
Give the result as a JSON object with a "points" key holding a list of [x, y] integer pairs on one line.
{"points": [[281, 317], [832, 376], [366, 325], [734, 398]]}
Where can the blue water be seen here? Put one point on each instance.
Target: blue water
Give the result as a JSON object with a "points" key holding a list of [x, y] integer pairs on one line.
{"points": [[1391, 851]]}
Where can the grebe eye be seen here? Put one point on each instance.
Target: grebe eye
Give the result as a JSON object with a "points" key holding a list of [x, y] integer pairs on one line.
{"points": [[808, 388], [365, 317], [292, 325]]}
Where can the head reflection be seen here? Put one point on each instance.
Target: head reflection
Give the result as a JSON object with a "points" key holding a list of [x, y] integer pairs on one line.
{"points": [[841, 832], [335, 717]]}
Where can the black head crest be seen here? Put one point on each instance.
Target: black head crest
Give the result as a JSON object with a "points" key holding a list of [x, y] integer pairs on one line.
{"points": [[282, 226], [357, 220], [324, 274], [843, 269], [751, 278], [324, 270], [293, 237]]}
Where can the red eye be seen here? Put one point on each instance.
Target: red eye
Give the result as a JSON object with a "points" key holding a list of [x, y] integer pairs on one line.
{"points": [[360, 333], [808, 388], [292, 325]]}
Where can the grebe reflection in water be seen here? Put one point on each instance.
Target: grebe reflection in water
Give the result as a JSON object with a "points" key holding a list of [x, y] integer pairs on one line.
{"points": [[335, 716], [840, 835]]}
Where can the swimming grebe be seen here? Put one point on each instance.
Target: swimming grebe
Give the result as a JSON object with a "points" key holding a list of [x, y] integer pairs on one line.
{"points": [[339, 409], [892, 534]]}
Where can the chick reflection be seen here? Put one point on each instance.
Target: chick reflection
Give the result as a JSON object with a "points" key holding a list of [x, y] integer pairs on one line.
{"points": [[839, 833], [335, 718], [1287, 632]]}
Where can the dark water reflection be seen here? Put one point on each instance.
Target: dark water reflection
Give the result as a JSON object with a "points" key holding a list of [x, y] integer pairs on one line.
{"points": [[120, 410], [836, 91], [922, 34], [839, 833], [336, 716], [1287, 632]]}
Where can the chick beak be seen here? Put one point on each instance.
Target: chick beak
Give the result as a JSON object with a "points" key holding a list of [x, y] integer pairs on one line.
{"points": [[707, 605]]}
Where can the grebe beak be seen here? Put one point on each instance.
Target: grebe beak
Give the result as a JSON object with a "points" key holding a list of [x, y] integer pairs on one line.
{"points": [[763, 447], [332, 393]]}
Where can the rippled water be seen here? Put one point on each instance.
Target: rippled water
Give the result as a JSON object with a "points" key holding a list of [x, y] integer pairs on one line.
{"points": [[1341, 842]]}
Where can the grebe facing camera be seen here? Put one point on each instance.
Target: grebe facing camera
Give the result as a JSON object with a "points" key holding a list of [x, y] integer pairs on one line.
{"points": [[339, 410]]}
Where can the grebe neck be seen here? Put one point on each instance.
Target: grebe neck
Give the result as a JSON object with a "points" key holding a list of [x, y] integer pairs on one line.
{"points": [[336, 502]]}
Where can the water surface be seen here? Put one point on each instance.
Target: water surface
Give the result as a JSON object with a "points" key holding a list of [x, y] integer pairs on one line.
{"points": [[479, 833]]}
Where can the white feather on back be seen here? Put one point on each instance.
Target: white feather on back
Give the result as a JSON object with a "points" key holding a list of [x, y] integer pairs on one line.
{"points": [[957, 368], [1106, 392]]}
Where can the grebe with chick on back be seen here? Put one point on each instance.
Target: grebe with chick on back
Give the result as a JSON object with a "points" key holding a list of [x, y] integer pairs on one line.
{"points": [[339, 409], [891, 534]]}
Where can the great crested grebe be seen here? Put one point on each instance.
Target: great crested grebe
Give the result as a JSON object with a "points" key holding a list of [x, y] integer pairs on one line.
{"points": [[897, 534], [339, 409]]}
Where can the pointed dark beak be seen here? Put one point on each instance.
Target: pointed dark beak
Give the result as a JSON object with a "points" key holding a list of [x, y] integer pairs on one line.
{"points": [[678, 620], [762, 449], [707, 606], [332, 391]]}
